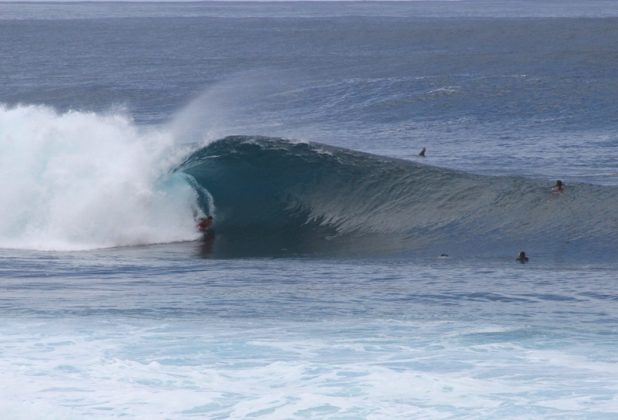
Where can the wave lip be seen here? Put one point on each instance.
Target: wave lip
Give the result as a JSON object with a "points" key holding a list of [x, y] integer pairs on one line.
{"points": [[313, 197]]}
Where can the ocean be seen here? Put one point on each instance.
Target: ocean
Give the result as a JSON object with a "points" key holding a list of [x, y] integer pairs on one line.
{"points": [[347, 276]]}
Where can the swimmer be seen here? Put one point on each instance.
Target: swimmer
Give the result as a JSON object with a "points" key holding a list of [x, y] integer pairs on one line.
{"points": [[559, 187], [522, 258], [422, 154]]}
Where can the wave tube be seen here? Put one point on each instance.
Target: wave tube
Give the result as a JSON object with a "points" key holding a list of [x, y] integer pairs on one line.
{"points": [[273, 194], [78, 180]]}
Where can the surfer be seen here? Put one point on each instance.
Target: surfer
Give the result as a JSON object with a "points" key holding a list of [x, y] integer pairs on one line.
{"points": [[422, 154], [204, 224], [522, 258], [559, 187]]}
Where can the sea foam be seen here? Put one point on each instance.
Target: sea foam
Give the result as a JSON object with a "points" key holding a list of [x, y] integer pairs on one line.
{"points": [[82, 180]]}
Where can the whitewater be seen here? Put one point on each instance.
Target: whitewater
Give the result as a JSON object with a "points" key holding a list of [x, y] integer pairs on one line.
{"points": [[82, 181], [347, 276]]}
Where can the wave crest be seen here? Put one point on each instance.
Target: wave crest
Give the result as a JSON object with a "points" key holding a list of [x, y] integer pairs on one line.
{"points": [[313, 196]]}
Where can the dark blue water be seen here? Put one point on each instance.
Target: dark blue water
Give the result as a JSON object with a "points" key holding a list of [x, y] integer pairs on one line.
{"points": [[348, 277]]}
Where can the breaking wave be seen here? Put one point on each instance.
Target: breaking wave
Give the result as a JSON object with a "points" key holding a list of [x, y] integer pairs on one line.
{"points": [[271, 193], [78, 181]]}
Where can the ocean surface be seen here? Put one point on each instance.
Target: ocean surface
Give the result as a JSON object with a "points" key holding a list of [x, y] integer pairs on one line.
{"points": [[347, 276]]}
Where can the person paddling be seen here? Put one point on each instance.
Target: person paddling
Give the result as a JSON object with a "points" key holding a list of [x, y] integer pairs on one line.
{"points": [[522, 258], [559, 187]]}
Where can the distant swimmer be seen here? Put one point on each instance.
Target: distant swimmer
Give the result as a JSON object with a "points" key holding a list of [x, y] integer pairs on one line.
{"points": [[522, 258], [204, 224], [559, 187], [422, 154]]}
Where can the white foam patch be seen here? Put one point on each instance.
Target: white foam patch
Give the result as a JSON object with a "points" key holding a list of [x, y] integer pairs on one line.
{"points": [[76, 369], [79, 180]]}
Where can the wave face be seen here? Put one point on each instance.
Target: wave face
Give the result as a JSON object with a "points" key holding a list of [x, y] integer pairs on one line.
{"points": [[77, 180], [271, 193]]}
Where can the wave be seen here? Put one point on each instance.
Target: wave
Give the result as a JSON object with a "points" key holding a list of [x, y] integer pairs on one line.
{"points": [[273, 194], [80, 180]]}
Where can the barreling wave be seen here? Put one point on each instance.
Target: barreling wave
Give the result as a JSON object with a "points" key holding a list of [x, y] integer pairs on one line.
{"points": [[271, 192]]}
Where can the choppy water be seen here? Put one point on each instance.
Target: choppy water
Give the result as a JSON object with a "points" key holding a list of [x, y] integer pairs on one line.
{"points": [[323, 293], [157, 331]]}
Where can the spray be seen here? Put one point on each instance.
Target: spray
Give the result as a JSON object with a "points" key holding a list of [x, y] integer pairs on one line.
{"points": [[80, 180]]}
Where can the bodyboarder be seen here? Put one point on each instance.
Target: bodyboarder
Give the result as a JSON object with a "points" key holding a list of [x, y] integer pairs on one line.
{"points": [[204, 225]]}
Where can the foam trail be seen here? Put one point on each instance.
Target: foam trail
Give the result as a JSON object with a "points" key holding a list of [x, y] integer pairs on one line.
{"points": [[80, 180]]}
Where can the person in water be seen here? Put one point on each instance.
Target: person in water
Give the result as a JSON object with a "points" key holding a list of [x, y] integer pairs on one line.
{"points": [[559, 187], [204, 224], [422, 154], [522, 258]]}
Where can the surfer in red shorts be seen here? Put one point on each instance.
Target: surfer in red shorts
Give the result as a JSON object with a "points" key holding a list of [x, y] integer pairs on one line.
{"points": [[204, 224]]}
